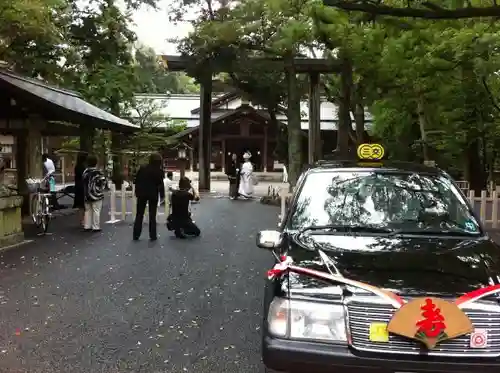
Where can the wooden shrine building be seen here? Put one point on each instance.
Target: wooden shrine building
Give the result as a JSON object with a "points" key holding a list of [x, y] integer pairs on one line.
{"points": [[238, 126], [258, 133]]}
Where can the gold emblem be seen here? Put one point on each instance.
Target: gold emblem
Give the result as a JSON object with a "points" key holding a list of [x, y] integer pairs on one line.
{"points": [[372, 152], [430, 321]]}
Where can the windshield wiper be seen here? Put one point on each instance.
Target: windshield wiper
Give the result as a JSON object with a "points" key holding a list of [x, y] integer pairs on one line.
{"points": [[348, 228], [443, 232]]}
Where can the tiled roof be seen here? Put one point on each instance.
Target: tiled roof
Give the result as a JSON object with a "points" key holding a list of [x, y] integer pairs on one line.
{"points": [[71, 102]]}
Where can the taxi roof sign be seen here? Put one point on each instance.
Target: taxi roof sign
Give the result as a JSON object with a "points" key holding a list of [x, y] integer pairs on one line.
{"points": [[371, 152]]}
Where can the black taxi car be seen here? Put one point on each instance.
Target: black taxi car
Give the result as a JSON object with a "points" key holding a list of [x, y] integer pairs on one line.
{"points": [[380, 267]]}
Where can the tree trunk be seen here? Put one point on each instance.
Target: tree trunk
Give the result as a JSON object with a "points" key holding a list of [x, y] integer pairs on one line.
{"points": [[344, 117], [474, 167], [359, 114], [359, 118], [423, 126], [294, 129]]}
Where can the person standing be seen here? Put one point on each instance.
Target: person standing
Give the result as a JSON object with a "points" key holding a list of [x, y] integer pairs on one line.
{"points": [[169, 185], [285, 174], [48, 165], [169, 182], [247, 178], [148, 186], [79, 201], [233, 174], [49, 169], [93, 183]]}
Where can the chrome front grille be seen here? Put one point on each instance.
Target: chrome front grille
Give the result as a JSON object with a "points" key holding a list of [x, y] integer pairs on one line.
{"points": [[362, 314]]}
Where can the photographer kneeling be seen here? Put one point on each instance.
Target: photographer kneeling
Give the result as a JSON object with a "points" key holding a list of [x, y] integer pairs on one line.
{"points": [[179, 219]]}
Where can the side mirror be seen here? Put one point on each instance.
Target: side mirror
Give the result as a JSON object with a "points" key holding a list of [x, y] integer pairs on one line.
{"points": [[269, 239]]}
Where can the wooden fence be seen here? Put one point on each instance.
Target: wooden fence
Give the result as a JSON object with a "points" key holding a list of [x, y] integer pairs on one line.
{"points": [[486, 207]]}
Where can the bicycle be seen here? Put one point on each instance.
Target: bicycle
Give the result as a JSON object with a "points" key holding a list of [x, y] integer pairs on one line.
{"points": [[40, 202]]}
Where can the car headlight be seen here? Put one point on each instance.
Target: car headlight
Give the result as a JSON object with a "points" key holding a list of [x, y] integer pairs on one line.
{"points": [[304, 320]]}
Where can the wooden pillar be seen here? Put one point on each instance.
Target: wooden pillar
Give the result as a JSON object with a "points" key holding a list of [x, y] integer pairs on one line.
{"points": [[191, 157], [264, 153], [205, 134], [116, 148], [223, 148], [34, 151], [87, 135], [294, 129], [314, 118], [22, 168]]}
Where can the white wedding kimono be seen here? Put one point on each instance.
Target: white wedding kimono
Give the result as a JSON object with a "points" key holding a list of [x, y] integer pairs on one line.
{"points": [[246, 181]]}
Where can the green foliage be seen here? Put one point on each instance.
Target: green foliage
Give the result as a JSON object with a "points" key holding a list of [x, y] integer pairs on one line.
{"points": [[154, 77], [32, 35], [155, 131]]}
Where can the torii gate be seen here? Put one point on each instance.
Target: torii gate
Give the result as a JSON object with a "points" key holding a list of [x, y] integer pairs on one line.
{"points": [[313, 67]]}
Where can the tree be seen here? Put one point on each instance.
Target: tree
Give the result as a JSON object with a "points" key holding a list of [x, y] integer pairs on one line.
{"points": [[437, 10], [154, 76], [155, 131], [32, 36], [104, 62], [242, 39]]}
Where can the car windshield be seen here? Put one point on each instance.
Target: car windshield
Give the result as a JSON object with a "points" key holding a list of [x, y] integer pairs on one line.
{"points": [[404, 202]]}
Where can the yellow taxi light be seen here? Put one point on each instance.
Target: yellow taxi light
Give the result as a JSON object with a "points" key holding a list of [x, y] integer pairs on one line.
{"points": [[371, 152]]}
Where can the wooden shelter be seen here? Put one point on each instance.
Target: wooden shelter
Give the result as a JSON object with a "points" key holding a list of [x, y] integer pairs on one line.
{"points": [[32, 110]]}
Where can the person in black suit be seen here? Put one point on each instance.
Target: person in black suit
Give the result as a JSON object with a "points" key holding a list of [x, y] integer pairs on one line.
{"points": [[233, 174], [180, 220], [148, 186]]}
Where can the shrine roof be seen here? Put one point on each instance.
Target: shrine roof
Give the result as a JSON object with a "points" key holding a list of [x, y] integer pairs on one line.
{"points": [[59, 104], [184, 107]]}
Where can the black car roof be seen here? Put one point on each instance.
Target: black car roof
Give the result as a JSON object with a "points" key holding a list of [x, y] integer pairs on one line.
{"points": [[379, 165]]}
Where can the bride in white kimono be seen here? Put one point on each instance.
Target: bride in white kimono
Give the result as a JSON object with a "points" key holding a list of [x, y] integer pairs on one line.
{"points": [[246, 181]]}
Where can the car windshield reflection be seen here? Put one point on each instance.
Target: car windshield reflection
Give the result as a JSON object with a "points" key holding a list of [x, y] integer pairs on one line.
{"points": [[404, 202]]}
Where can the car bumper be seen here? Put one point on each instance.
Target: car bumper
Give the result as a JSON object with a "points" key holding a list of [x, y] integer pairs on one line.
{"points": [[297, 356]]}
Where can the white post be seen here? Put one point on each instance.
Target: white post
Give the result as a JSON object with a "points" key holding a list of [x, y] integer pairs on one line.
{"points": [[484, 202], [472, 197], [112, 205], [124, 202], [167, 204], [494, 209], [283, 203]]}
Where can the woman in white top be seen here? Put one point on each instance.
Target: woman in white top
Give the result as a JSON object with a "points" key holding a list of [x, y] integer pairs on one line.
{"points": [[246, 182]]}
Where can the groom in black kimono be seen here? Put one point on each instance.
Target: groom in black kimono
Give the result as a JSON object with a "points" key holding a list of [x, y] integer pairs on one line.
{"points": [[233, 174]]}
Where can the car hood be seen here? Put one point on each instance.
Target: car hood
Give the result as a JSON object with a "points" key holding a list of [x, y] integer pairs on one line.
{"points": [[408, 266]]}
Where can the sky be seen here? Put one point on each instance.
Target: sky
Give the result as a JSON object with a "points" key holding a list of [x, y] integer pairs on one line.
{"points": [[153, 28]]}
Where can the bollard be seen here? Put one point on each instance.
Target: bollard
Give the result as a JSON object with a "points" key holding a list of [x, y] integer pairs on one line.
{"points": [[283, 203], [134, 202], [112, 206], [167, 205], [124, 202]]}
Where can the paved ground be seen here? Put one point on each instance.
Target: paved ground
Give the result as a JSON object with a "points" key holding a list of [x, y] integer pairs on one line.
{"points": [[261, 189], [99, 303]]}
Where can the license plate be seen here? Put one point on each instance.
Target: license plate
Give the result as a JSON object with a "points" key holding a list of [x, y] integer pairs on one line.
{"points": [[379, 333]]}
